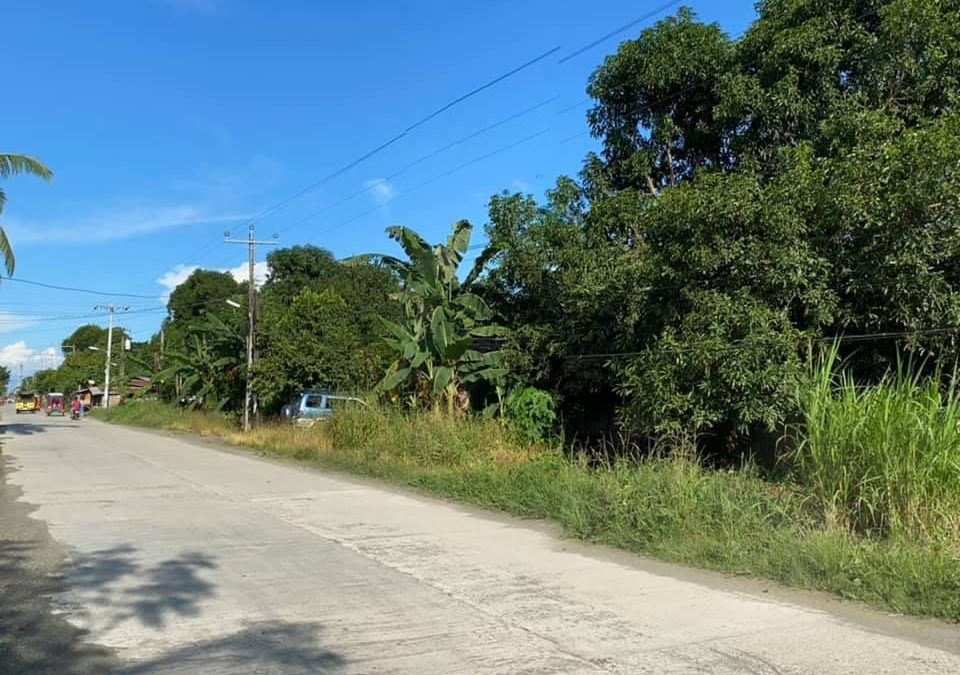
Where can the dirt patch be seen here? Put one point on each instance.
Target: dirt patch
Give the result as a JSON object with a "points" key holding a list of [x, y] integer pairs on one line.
{"points": [[33, 638]]}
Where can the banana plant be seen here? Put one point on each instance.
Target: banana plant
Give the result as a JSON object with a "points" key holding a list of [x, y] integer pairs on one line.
{"points": [[436, 344], [209, 372]]}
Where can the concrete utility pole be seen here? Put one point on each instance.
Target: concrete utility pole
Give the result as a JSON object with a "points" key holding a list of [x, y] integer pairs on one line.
{"points": [[109, 309], [252, 243]]}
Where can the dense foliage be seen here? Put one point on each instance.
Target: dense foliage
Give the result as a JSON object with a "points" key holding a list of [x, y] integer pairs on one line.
{"points": [[766, 247], [320, 324], [754, 198]]}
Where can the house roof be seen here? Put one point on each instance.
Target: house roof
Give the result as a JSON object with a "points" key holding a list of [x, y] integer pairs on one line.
{"points": [[94, 391]]}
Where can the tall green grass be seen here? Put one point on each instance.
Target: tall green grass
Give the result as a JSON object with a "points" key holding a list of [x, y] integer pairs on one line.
{"points": [[882, 459], [156, 415], [803, 530]]}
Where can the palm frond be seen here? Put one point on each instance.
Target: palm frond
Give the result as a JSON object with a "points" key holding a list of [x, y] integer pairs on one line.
{"points": [[459, 239], [480, 264], [391, 263], [6, 251], [13, 164], [424, 263]]}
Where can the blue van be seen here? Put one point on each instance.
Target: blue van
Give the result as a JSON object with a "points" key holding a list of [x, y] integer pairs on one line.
{"points": [[312, 406]]}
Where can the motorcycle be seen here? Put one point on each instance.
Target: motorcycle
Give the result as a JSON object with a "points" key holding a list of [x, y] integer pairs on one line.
{"points": [[74, 414]]}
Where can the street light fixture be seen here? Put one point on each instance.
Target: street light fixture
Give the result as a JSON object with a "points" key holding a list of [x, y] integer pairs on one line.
{"points": [[233, 303]]}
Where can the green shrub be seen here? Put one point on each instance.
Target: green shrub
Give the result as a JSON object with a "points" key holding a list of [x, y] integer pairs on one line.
{"points": [[532, 413]]}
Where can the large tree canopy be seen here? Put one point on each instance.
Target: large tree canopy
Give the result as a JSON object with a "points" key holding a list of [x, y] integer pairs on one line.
{"points": [[320, 324], [753, 196], [84, 337], [314, 343], [203, 291]]}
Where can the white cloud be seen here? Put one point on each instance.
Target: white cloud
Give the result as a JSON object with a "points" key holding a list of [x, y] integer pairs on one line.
{"points": [[242, 272], [116, 224], [173, 278], [10, 322], [208, 196], [14, 354], [170, 279], [381, 190], [521, 186], [18, 354]]}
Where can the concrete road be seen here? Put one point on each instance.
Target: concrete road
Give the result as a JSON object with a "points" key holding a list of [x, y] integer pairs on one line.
{"points": [[184, 558]]}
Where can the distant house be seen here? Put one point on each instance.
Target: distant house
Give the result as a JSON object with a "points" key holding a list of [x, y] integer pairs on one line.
{"points": [[91, 397], [139, 385]]}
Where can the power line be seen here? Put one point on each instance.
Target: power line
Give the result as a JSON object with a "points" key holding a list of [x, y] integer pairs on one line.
{"points": [[574, 106], [574, 137], [473, 135], [424, 184], [30, 320], [276, 207], [420, 122], [863, 337], [619, 30], [483, 87], [327, 178], [868, 337], [78, 290], [427, 182], [420, 160]]}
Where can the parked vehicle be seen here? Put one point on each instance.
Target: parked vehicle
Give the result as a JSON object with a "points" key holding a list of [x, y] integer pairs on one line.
{"points": [[55, 404], [312, 406], [27, 402]]}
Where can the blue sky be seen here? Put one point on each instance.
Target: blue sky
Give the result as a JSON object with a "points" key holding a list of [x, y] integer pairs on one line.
{"points": [[168, 122]]}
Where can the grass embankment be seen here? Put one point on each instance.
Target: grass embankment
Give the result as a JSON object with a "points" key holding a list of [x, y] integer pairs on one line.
{"points": [[869, 510]]}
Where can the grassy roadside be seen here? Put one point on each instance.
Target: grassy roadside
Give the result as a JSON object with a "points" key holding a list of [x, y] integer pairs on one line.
{"points": [[672, 509]]}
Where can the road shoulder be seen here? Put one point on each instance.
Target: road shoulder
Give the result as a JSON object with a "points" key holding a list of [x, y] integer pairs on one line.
{"points": [[931, 633], [34, 637]]}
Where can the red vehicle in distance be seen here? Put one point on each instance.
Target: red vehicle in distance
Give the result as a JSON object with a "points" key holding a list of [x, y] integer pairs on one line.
{"points": [[55, 404]]}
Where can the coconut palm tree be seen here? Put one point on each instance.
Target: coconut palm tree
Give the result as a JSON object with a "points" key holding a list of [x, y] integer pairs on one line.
{"points": [[12, 165]]}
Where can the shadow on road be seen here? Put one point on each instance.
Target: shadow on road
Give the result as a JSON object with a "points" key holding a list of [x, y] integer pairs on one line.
{"points": [[265, 648], [22, 429], [33, 639], [151, 594], [36, 638], [35, 573]]}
